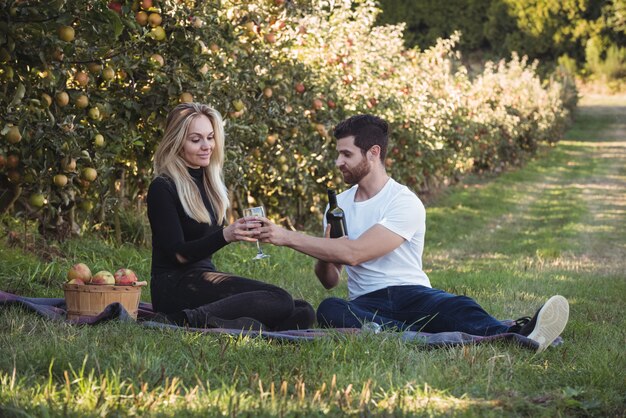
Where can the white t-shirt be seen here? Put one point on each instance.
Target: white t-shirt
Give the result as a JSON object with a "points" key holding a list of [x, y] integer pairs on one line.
{"points": [[399, 210]]}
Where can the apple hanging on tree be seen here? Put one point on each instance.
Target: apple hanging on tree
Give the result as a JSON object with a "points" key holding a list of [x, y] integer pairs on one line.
{"points": [[141, 18], [115, 6], [62, 99], [46, 99], [81, 78], [81, 101], [60, 180], [13, 135], [318, 104], [66, 33], [155, 19]]}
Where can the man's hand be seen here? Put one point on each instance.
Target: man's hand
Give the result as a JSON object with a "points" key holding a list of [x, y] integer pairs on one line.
{"points": [[271, 233]]}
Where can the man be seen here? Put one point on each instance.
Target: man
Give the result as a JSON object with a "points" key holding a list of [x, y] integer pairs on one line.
{"points": [[383, 253]]}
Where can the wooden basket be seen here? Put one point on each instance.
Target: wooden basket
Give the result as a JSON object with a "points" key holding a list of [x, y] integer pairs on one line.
{"points": [[90, 299]]}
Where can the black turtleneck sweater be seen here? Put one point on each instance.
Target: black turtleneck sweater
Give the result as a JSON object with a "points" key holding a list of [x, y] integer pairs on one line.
{"points": [[174, 232]]}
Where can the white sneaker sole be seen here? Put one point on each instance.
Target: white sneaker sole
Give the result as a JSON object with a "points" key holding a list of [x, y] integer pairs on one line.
{"points": [[551, 321]]}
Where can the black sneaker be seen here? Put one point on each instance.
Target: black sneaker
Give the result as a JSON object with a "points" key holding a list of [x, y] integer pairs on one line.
{"points": [[547, 324], [519, 324]]}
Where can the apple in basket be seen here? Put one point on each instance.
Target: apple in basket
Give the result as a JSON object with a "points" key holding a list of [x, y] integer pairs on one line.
{"points": [[79, 274], [103, 277], [125, 277]]}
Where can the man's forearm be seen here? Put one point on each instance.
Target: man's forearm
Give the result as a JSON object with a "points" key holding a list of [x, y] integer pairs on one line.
{"points": [[337, 251], [327, 273]]}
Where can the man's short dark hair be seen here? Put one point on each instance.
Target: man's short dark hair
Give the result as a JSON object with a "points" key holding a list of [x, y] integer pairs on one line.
{"points": [[368, 130]]}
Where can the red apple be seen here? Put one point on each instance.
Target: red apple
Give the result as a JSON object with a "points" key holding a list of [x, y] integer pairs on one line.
{"points": [[125, 277], [79, 271], [270, 38], [115, 6], [103, 277], [81, 78], [318, 104], [142, 18], [76, 281], [157, 59], [13, 161]]}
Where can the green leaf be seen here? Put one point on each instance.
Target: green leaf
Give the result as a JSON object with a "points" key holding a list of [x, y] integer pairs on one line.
{"points": [[19, 95], [116, 22]]}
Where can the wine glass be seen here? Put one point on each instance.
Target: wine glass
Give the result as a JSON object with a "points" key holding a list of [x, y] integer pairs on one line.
{"points": [[256, 211]]}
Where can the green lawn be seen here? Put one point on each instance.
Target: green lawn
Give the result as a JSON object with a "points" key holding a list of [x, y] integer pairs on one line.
{"points": [[555, 226]]}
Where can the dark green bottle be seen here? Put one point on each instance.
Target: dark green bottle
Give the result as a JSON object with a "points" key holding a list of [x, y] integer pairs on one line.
{"points": [[335, 217]]}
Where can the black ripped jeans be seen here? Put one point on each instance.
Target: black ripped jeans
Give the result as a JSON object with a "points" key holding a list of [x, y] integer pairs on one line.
{"points": [[204, 294]]}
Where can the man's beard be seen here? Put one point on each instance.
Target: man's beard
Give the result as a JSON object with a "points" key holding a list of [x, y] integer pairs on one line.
{"points": [[356, 174]]}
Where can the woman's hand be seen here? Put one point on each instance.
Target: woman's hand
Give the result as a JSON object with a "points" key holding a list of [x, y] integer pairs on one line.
{"points": [[243, 229]]}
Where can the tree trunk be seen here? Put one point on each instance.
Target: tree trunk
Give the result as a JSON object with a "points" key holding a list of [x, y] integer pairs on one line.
{"points": [[9, 197]]}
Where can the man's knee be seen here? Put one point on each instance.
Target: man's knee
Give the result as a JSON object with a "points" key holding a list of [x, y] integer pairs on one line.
{"points": [[331, 312]]}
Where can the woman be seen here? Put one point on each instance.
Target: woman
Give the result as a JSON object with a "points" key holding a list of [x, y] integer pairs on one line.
{"points": [[187, 202]]}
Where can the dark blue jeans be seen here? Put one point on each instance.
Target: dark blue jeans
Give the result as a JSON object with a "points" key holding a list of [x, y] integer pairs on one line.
{"points": [[413, 308]]}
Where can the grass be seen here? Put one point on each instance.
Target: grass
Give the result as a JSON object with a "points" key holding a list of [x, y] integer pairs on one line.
{"points": [[555, 226]]}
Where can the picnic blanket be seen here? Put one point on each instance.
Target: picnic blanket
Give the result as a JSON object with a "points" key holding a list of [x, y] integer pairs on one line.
{"points": [[55, 309]]}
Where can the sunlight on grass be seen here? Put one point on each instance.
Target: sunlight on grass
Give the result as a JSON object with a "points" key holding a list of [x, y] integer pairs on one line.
{"points": [[85, 393]]}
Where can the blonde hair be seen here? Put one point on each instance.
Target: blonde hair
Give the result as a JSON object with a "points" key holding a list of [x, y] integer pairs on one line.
{"points": [[168, 161]]}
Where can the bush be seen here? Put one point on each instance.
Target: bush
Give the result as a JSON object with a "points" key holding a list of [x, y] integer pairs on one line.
{"points": [[605, 63]]}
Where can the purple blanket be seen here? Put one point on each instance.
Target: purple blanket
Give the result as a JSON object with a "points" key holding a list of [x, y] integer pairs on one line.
{"points": [[54, 309]]}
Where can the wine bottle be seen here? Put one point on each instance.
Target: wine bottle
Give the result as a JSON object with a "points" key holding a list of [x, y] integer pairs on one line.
{"points": [[335, 217]]}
